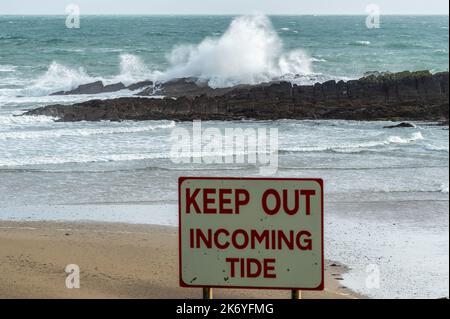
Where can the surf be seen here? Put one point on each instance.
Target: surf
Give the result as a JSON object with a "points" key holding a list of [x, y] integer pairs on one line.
{"points": [[249, 52]]}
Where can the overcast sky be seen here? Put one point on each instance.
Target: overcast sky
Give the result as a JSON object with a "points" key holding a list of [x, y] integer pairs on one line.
{"points": [[224, 6]]}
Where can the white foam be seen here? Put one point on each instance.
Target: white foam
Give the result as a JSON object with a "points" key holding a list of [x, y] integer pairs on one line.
{"points": [[7, 68], [432, 147], [78, 158], [409, 254], [132, 69], [60, 77], [358, 147], [399, 140], [249, 52], [24, 120], [57, 78], [54, 133], [318, 60], [362, 43]]}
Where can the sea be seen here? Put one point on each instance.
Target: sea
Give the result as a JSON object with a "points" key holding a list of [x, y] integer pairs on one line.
{"points": [[386, 190]]}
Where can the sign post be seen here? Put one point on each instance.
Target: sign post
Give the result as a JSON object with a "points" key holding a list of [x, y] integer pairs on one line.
{"points": [[296, 294], [264, 233], [207, 293]]}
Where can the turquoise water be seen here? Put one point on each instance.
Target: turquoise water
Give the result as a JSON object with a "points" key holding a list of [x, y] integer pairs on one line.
{"points": [[107, 46]]}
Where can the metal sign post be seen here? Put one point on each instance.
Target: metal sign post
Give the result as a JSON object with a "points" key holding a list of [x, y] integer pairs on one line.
{"points": [[207, 293], [296, 294]]}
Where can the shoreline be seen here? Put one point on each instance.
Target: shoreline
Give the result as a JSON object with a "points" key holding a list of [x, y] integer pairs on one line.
{"points": [[34, 255]]}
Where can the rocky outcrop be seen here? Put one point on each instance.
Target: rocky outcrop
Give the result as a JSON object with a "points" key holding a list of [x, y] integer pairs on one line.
{"points": [[93, 88], [140, 85], [398, 97], [401, 125], [184, 87], [98, 87]]}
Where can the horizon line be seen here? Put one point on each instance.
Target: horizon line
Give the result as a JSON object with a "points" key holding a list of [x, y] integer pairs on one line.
{"points": [[220, 14]]}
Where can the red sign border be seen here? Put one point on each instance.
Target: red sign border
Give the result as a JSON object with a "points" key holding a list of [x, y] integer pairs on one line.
{"points": [[185, 285]]}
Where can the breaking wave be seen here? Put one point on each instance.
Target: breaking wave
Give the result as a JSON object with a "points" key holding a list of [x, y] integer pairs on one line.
{"points": [[249, 52], [360, 43], [77, 132], [7, 68], [57, 78], [60, 77], [358, 147]]}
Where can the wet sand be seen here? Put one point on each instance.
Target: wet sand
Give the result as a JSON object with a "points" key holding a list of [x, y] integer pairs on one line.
{"points": [[115, 260]]}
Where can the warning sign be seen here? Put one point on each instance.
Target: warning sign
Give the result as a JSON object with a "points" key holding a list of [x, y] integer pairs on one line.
{"points": [[251, 233]]}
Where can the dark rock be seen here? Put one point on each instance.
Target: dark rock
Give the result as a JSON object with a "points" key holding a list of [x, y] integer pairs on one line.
{"points": [[405, 96], [187, 87], [90, 88], [401, 125], [113, 87], [93, 88], [139, 85]]}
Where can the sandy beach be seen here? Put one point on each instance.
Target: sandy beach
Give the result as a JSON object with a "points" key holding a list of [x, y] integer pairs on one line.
{"points": [[115, 260]]}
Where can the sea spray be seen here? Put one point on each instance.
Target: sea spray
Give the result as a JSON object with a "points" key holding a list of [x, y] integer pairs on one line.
{"points": [[249, 52], [132, 69], [57, 77], [60, 77]]}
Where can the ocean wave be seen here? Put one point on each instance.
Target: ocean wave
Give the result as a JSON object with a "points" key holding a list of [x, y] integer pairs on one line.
{"points": [[249, 52], [97, 158], [360, 43], [357, 147], [78, 158], [398, 190], [318, 60], [65, 51], [441, 52], [54, 41], [77, 132], [436, 148], [60, 77], [57, 78], [6, 120], [399, 140], [355, 168], [11, 37], [406, 45], [7, 68]]}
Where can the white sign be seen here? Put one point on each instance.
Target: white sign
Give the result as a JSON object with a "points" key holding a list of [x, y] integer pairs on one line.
{"points": [[251, 233]]}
